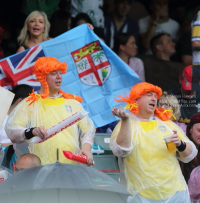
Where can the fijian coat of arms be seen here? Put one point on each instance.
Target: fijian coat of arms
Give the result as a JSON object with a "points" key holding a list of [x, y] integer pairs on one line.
{"points": [[92, 64]]}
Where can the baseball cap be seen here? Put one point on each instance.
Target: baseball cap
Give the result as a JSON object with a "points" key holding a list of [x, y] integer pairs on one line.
{"points": [[190, 78]]}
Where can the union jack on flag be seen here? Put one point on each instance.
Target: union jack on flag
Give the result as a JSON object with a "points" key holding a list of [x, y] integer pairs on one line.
{"points": [[18, 69]]}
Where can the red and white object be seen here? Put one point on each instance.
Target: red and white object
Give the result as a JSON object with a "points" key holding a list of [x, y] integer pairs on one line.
{"points": [[62, 126], [76, 157], [3, 176]]}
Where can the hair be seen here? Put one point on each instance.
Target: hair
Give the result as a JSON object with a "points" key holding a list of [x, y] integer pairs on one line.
{"points": [[156, 40], [188, 167], [59, 23], [173, 102], [140, 90], [81, 16], [21, 91], [42, 68], [121, 39], [24, 36]]}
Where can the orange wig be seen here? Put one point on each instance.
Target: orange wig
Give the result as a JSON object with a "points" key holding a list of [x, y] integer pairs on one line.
{"points": [[138, 91], [42, 68]]}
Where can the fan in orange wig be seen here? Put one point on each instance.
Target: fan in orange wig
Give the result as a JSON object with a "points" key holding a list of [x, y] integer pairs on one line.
{"points": [[139, 90], [42, 68]]}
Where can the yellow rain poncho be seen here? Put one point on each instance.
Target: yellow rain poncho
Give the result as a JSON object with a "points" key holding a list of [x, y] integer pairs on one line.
{"points": [[48, 112], [148, 170]]}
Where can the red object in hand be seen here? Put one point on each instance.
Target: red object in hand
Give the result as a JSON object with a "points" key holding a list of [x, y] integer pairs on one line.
{"points": [[76, 157]]}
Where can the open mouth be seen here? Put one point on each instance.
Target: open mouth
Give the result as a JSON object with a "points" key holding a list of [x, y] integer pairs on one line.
{"points": [[152, 105], [36, 29], [58, 83]]}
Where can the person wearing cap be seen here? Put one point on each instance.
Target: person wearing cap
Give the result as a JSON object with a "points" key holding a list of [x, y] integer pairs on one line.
{"points": [[193, 133], [196, 41], [188, 93], [147, 169], [46, 108]]}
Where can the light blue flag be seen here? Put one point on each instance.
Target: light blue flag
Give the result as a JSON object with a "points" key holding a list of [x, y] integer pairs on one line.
{"points": [[95, 72]]}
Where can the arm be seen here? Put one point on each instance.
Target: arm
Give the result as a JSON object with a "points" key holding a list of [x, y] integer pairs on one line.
{"points": [[86, 150], [124, 136], [146, 37], [87, 138], [196, 44], [121, 139], [190, 150], [160, 16], [18, 121]]}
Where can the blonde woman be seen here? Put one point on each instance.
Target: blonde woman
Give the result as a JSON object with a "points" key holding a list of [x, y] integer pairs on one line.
{"points": [[170, 102], [35, 30]]}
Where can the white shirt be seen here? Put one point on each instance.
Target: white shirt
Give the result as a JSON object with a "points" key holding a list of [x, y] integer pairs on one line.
{"points": [[171, 27]]}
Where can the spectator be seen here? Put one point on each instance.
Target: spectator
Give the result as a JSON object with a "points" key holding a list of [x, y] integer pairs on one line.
{"points": [[193, 133], [160, 64], [196, 41], [147, 169], [93, 8], [126, 48], [60, 23], [137, 11], [158, 22], [162, 46], [194, 185], [27, 161], [10, 157], [35, 30], [119, 22], [46, 108], [83, 18], [170, 102], [187, 93]]}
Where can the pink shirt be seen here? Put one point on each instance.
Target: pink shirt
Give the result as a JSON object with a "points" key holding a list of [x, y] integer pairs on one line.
{"points": [[183, 126], [137, 65]]}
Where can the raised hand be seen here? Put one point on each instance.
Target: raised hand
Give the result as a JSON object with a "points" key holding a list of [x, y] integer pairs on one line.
{"points": [[120, 113]]}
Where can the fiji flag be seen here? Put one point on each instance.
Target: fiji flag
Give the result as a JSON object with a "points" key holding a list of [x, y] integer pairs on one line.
{"points": [[95, 72]]}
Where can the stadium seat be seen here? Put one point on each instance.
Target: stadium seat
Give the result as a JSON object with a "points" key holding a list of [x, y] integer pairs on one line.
{"points": [[106, 162], [103, 139]]}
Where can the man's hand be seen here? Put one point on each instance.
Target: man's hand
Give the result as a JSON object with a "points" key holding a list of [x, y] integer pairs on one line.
{"points": [[175, 138], [120, 113], [86, 150], [40, 132]]}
